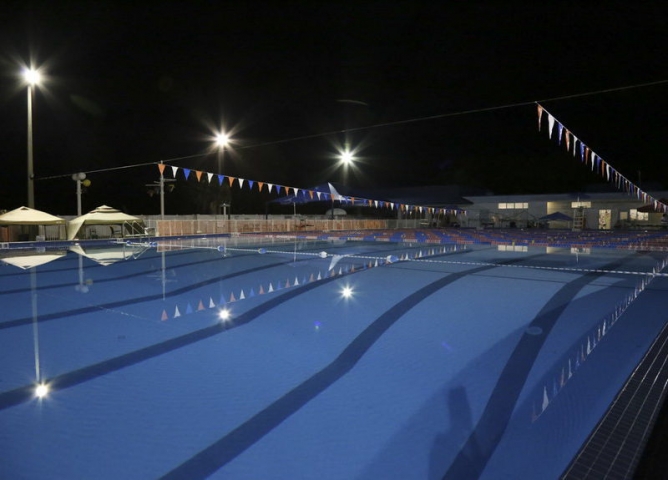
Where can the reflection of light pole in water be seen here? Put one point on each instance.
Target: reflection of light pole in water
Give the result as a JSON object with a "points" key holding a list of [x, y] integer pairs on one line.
{"points": [[41, 388], [82, 287]]}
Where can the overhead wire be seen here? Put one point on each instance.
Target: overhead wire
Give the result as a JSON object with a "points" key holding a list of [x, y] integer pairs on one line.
{"points": [[381, 125]]}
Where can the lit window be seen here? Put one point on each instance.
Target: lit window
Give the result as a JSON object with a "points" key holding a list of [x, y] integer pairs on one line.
{"points": [[580, 204], [503, 206], [636, 215]]}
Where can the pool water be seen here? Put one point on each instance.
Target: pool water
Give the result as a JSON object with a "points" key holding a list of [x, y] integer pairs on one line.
{"points": [[250, 358]]}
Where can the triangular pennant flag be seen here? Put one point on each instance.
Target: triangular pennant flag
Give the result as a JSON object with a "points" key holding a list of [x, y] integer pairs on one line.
{"points": [[220, 179], [198, 174], [186, 172], [189, 309], [241, 183], [164, 316], [161, 168], [232, 299], [242, 296], [200, 306], [550, 125], [209, 176], [174, 170], [540, 115], [270, 186], [259, 186], [231, 180], [250, 184], [176, 312], [211, 304]]}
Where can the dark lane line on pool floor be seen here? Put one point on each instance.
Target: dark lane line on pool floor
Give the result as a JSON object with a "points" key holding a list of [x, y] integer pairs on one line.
{"points": [[472, 458], [26, 393], [227, 448]]}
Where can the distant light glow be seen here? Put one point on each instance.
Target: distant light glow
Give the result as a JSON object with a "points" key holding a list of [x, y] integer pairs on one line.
{"points": [[31, 76], [224, 315], [347, 157], [222, 139], [347, 292], [42, 390]]}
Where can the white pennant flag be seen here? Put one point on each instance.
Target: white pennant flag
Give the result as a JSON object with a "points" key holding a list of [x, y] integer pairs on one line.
{"points": [[550, 125], [174, 170], [209, 176]]}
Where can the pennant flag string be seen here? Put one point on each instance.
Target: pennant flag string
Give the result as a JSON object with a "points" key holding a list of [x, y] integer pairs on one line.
{"points": [[598, 165], [304, 192]]}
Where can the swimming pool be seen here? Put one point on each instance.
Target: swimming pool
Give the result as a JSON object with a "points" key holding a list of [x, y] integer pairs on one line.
{"points": [[281, 358]]}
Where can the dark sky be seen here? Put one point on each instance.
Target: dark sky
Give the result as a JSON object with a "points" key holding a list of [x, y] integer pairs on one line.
{"points": [[129, 85]]}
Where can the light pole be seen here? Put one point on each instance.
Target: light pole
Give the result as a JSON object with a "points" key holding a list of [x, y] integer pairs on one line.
{"points": [[32, 77], [79, 177]]}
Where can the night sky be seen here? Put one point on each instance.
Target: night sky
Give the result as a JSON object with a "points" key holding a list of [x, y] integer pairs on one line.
{"points": [[430, 93]]}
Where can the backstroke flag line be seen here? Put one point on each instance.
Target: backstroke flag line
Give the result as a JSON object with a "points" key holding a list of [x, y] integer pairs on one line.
{"points": [[589, 157], [333, 194]]}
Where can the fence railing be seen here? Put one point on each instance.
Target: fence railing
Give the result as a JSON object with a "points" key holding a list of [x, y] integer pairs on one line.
{"points": [[174, 227]]}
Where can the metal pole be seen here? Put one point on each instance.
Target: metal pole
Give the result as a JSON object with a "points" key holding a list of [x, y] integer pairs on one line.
{"points": [[162, 196], [78, 197], [31, 175]]}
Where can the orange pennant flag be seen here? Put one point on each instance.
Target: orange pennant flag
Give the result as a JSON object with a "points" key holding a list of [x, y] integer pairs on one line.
{"points": [[164, 316], [287, 190], [161, 167], [310, 192], [231, 180], [199, 175], [260, 185]]}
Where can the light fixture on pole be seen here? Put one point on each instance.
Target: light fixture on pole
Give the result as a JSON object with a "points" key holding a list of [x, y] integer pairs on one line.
{"points": [[32, 77], [161, 189], [79, 178]]}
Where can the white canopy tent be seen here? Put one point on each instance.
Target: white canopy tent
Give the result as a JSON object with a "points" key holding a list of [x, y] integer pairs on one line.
{"points": [[105, 222], [34, 259], [26, 223]]}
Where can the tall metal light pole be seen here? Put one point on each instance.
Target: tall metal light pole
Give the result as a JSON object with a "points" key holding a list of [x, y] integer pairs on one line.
{"points": [[32, 77]]}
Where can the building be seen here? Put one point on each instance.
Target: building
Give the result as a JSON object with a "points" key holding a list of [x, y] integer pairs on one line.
{"points": [[600, 211]]}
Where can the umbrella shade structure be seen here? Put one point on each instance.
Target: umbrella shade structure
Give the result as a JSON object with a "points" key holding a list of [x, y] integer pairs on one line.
{"points": [[33, 259], [105, 222], [110, 254], [26, 223], [556, 217], [654, 208]]}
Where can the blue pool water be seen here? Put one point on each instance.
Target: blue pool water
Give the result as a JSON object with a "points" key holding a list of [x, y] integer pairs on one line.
{"points": [[443, 361]]}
